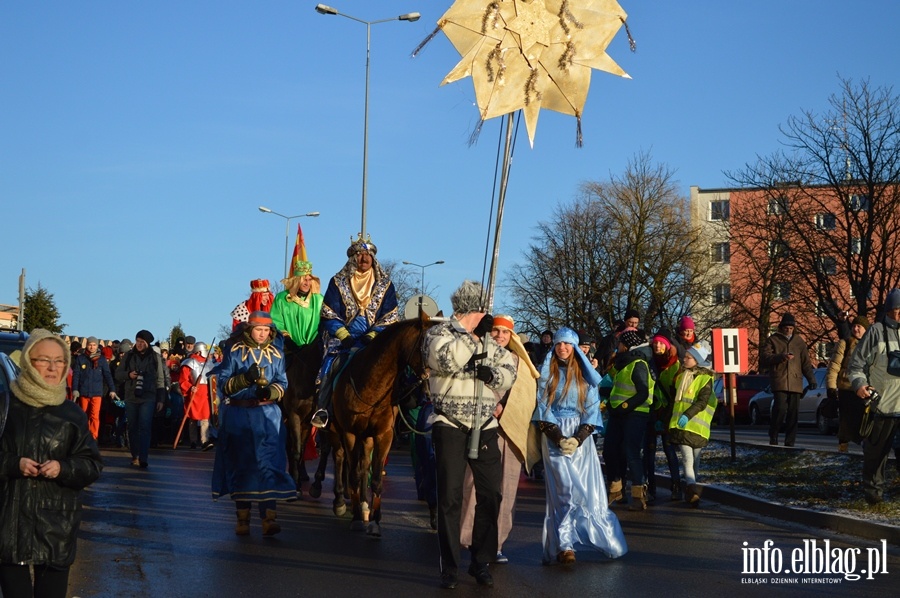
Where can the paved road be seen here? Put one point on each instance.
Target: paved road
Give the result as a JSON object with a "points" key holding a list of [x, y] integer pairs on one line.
{"points": [[807, 437], [157, 533]]}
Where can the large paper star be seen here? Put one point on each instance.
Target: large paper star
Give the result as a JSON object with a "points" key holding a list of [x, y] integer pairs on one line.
{"points": [[532, 54]]}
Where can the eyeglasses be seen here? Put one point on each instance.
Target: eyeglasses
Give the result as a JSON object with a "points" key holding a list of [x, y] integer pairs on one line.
{"points": [[45, 362]]}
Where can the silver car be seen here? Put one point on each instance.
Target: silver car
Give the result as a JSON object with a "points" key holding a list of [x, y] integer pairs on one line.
{"points": [[810, 411]]}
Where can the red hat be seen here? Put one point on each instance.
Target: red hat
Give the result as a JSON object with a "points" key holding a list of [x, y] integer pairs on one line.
{"points": [[686, 323]]}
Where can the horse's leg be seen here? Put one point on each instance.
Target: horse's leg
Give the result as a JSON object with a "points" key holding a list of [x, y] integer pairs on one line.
{"points": [[382, 445], [315, 489], [354, 454], [295, 447], [339, 455]]}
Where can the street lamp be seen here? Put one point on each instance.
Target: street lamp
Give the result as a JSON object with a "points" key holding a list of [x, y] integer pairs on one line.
{"points": [[287, 233], [423, 274], [411, 17]]}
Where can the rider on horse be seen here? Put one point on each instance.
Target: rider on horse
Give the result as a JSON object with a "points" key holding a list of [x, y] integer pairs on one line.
{"points": [[296, 310], [359, 303]]}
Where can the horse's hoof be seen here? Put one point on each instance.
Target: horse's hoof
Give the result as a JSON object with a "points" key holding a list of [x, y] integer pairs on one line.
{"points": [[315, 489], [357, 525], [374, 530], [340, 510]]}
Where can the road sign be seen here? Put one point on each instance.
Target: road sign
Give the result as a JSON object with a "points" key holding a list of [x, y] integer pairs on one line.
{"points": [[730, 350]]}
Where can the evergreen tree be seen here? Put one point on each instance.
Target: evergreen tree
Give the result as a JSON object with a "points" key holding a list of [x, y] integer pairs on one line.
{"points": [[176, 333], [41, 311]]}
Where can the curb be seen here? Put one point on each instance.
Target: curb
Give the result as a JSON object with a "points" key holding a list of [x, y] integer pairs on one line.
{"points": [[832, 521]]}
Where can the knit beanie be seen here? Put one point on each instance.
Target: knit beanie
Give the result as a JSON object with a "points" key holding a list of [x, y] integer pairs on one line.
{"points": [[787, 320], [893, 300], [861, 321], [125, 346], [658, 338], [630, 337], [91, 339], [145, 336], [686, 323]]}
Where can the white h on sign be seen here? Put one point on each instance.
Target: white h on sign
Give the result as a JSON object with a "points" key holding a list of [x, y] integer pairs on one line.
{"points": [[730, 350]]}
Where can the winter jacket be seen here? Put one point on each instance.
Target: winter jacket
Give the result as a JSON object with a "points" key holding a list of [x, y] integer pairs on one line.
{"points": [[88, 379], [838, 375], [786, 374], [154, 372], [633, 383], [694, 399], [868, 365], [39, 517]]}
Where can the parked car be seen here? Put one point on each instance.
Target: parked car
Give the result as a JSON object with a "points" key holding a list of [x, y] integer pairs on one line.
{"points": [[9, 371], [12, 340], [747, 386], [810, 412]]}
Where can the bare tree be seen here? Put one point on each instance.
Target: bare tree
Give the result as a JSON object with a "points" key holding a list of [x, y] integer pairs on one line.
{"points": [[622, 243], [838, 182]]}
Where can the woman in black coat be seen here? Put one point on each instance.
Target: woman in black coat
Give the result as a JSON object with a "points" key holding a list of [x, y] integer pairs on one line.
{"points": [[47, 456]]}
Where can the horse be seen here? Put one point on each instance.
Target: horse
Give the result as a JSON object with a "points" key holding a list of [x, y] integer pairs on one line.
{"points": [[365, 405], [298, 405]]}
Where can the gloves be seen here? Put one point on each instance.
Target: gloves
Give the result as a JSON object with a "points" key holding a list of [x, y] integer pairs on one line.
{"points": [[347, 342], [484, 326], [682, 421], [263, 393], [568, 446], [812, 385], [252, 374], [658, 426], [75, 394], [582, 433], [368, 337], [552, 432], [833, 394], [484, 373]]}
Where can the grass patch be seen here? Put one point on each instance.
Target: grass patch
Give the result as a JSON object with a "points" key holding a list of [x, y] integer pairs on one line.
{"points": [[816, 480]]}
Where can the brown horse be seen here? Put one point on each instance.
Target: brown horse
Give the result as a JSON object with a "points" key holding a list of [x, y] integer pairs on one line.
{"points": [[298, 404], [365, 399]]}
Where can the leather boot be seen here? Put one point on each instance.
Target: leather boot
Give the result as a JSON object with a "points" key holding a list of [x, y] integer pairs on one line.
{"points": [[243, 522], [676, 491], [615, 492], [269, 525], [638, 497]]}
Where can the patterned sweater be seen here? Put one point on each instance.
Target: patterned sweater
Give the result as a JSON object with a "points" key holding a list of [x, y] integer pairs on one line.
{"points": [[448, 351]]}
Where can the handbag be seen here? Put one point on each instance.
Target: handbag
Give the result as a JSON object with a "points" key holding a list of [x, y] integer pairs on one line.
{"points": [[869, 413]]}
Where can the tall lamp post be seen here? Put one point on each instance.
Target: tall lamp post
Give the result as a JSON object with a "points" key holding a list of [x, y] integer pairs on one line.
{"points": [[287, 233], [422, 292], [411, 17]]}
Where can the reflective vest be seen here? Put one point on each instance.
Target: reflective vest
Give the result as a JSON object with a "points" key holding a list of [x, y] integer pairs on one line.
{"points": [[666, 381], [623, 387], [700, 423]]}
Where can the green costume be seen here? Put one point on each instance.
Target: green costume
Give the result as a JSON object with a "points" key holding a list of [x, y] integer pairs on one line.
{"points": [[297, 316]]}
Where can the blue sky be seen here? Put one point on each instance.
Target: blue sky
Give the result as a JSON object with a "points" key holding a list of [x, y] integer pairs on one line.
{"points": [[137, 139]]}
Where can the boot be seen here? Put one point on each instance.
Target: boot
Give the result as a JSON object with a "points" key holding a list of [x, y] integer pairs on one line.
{"points": [[269, 525], [692, 495], [638, 497], [615, 491], [243, 522], [843, 447], [676, 491]]}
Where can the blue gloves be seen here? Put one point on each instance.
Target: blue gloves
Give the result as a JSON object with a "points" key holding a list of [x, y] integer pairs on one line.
{"points": [[682, 421], [658, 426]]}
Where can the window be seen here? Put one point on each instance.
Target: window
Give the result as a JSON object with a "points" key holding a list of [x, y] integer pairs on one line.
{"points": [[821, 308], [721, 253], [781, 291], [859, 203], [777, 206], [826, 264], [721, 294], [826, 221], [719, 209], [779, 249], [824, 351], [858, 245]]}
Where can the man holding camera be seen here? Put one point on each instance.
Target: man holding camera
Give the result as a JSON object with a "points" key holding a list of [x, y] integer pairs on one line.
{"points": [[467, 367], [786, 357], [875, 365]]}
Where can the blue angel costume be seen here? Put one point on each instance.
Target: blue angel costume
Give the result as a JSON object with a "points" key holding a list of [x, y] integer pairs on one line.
{"points": [[251, 457], [577, 512]]}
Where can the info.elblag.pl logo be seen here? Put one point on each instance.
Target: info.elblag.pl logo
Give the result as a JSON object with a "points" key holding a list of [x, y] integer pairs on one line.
{"points": [[828, 564]]}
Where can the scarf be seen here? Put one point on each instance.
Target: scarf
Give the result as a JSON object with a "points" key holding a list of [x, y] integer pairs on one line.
{"points": [[94, 357], [30, 387], [362, 283]]}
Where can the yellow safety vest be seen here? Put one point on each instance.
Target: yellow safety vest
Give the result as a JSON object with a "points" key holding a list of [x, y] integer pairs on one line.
{"points": [[700, 423], [623, 387]]}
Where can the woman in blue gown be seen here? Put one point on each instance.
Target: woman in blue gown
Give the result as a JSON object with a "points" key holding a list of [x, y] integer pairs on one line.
{"points": [[568, 413], [251, 457]]}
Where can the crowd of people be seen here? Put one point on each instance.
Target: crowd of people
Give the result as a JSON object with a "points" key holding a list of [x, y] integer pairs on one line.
{"points": [[491, 408]]}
